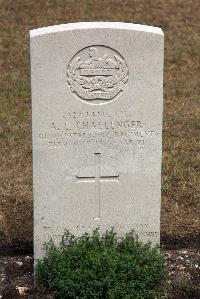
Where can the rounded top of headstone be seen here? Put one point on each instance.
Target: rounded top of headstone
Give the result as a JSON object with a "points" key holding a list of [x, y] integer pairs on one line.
{"points": [[95, 25]]}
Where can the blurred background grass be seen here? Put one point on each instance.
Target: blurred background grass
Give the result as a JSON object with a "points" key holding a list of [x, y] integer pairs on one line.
{"points": [[180, 21]]}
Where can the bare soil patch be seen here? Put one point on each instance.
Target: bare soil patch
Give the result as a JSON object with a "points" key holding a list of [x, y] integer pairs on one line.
{"points": [[180, 173], [183, 276]]}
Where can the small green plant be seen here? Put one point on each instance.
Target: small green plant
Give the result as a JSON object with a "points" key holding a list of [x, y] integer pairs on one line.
{"points": [[102, 266]]}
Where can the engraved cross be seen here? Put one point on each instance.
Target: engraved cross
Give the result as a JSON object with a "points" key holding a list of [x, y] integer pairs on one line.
{"points": [[97, 179]]}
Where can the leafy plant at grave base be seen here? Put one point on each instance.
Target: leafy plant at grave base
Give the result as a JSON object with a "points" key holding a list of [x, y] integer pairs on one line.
{"points": [[102, 266]]}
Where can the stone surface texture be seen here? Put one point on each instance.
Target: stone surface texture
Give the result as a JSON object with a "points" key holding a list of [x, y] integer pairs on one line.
{"points": [[97, 100]]}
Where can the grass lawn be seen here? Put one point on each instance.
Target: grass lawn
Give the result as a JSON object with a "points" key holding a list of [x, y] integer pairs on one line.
{"points": [[179, 20]]}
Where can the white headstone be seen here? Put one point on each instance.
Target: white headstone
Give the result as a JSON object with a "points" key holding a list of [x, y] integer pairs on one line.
{"points": [[97, 129]]}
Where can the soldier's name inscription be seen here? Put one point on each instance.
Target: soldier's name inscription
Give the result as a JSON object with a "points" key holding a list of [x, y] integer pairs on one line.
{"points": [[101, 127]]}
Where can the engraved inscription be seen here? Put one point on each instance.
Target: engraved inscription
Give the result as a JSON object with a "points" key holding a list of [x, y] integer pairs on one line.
{"points": [[97, 74], [101, 129], [97, 179], [148, 234], [105, 129]]}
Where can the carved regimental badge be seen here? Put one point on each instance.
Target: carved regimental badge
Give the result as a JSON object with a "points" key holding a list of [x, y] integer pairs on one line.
{"points": [[97, 74]]}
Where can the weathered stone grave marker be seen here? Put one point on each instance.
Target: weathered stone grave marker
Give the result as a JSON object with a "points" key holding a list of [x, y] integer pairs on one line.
{"points": [[97, 127]]}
